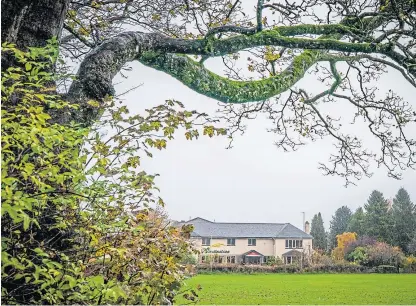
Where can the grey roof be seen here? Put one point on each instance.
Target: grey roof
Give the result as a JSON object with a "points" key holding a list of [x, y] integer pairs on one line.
{"points": [[205, 228]]}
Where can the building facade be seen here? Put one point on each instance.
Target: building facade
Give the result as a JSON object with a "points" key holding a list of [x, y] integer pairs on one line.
{"points": [[249, 243]]}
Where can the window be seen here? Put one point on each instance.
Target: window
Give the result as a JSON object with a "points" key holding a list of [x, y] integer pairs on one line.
{"points": [[231, 241], [294, 244], [205, 258], [206, 241], [252, 241], [230, 259]]}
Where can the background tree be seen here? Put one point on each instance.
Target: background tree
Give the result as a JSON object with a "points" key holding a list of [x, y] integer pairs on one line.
{"points": [[338, 224], [378, 221], [356, 223], [412, 246], [318, 232], [404, 222]]}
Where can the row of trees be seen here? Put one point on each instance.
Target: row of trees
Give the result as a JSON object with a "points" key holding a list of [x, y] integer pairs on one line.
{"points": [[393, 223]]}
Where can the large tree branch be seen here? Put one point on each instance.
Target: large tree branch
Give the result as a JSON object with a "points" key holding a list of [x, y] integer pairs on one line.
{"points": [[166, 54]]}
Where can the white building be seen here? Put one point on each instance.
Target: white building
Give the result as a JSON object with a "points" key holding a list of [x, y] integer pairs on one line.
{"points": [[249, 243]]}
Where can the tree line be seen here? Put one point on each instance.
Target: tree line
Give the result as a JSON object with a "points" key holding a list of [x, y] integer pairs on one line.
{"points": [[390, 222]]}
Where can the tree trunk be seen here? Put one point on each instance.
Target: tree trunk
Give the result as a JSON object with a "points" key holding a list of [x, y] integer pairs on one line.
{"points": [[30, 23]]}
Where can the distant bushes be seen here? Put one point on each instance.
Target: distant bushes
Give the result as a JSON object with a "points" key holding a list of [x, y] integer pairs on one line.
{"points": [[315, 268]]}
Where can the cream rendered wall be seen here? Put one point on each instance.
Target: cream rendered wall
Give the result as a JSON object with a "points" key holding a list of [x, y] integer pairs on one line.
{"points": [[267, 247], [263, 246], [280, 246]]}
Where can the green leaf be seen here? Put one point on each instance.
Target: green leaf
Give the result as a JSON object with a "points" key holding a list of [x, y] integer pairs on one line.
{"points": [[28, 66]]}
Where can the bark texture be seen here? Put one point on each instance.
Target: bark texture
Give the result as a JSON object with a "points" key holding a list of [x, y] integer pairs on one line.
{"points": [[30, 23]]}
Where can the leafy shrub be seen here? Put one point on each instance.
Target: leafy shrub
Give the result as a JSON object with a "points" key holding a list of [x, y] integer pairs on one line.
{"points": [[342, 241], [189, 259], [410, 264], [364, 241], [359, 255], [383, 254], [78, 211], [274, 261], [336, 268], [247, 269], [320, 258], [315, 268]]}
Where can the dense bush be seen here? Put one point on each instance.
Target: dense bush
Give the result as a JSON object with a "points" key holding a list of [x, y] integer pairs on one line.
{"points": [[320, 258], [274, 261], [364, 241], [359, 255], [204, 269], [383, 254], [409, 264], [337, 268], [315, 268], [79, 218]]}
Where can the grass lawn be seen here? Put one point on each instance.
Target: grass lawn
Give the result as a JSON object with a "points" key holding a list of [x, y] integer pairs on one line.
{"points": [[305, 289]]}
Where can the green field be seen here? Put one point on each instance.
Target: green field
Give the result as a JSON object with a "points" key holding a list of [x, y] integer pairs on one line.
{"points": [[305, 289]]}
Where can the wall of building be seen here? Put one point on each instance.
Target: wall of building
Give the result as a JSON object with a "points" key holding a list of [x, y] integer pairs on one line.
{"points": [[267, 247], [263, 246], [280, 246]]}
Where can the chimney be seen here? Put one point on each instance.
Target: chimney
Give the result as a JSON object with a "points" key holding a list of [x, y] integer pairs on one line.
{"points": [[307, 228]]}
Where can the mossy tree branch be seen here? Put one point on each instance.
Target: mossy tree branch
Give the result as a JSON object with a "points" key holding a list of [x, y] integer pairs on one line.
{"points": [[169, 55]]}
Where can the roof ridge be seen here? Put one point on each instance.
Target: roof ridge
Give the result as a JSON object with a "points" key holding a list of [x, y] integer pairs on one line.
{"points": [[274, 223], [281, 230]]}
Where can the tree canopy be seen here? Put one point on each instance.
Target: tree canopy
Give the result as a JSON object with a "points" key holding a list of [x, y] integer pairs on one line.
{"points": [[338, 225], [348, 44], [318, 233]]}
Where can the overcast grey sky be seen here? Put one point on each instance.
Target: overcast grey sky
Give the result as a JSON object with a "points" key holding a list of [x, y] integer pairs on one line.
{"points": [[254, 181]]}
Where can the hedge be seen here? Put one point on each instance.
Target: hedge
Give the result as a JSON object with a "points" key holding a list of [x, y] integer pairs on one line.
{"points": [[334, 268]]}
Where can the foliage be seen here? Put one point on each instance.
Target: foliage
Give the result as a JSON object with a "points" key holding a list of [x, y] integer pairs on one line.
{"points": [[249, 269], [363, 241], [377, 221], [321, 289], [178, 36], [404, 219], [274, 260], [356, 223], [412, 246], [80, 220], [383, 254], [338, 224], [189, 259], [318, 232], [410, 264], [342, 241], [358, 255], [320, 258]]}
